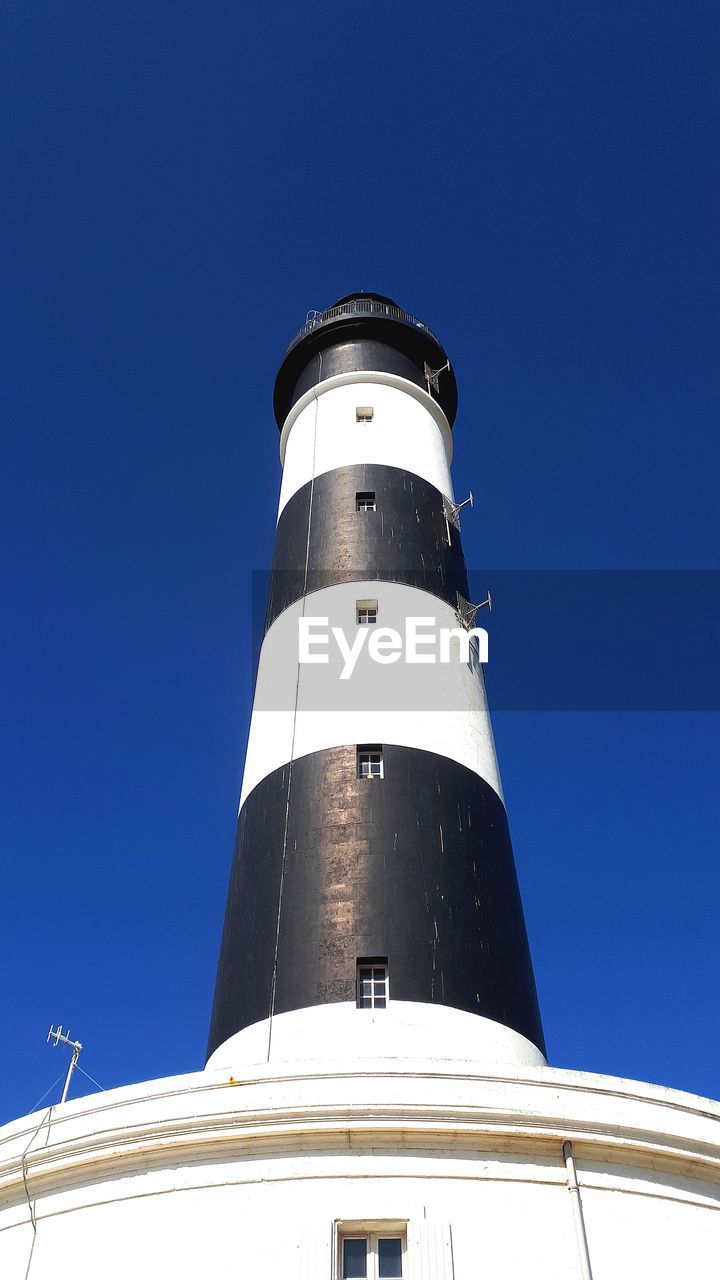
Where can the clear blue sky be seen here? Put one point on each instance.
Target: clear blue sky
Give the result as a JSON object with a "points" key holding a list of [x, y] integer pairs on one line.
{"points": [[182, 181]]}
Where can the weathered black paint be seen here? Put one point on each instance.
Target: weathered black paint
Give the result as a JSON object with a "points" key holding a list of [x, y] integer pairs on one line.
{"points": [[356, 342], [353, 357], [404, 540], [417, 866]]}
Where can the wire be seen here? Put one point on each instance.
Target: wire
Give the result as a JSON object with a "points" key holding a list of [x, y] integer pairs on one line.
{"points": [[294, 726], [45, 1094], [91, 1078], [23, 1162], [33, 1136]]}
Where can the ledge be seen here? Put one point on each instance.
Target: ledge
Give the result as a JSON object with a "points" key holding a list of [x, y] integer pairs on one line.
{"points": [[211, 1116]]}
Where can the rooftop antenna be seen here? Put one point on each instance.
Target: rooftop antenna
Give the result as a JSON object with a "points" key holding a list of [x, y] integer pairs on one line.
{"points": [[59, 1036]]}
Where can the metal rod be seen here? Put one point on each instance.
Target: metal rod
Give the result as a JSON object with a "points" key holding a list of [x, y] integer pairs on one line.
{"points": [[71, 1068]]}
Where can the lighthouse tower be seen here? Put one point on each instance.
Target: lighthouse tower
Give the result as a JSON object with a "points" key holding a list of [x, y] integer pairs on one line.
{"points": [[376, 1100], [373, 869]]}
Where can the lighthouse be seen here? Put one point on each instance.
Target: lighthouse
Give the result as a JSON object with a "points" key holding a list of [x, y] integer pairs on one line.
{"points": [[375, 1100], [373, 869]]}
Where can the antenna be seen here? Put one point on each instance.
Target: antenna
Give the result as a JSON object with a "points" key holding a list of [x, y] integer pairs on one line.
{"points": [[61, 1037], [432, 376], [465, 611], [451, 511]]}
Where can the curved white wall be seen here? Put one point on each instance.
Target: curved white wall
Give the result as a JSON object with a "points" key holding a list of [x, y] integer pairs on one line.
{"points": [[408, 430], [440, 707], [227, 1174], [405, 1029]]}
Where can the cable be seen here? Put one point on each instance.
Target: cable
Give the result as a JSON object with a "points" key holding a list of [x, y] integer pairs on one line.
{"points": [[294, 728], [45, 1094], [95, 1082], [23, 1160], [23, 1165]]}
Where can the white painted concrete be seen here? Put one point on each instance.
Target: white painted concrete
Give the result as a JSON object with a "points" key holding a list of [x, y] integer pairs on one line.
{"points": [[409, 430], [224, 1174], [301, 708], [405, 1029]]}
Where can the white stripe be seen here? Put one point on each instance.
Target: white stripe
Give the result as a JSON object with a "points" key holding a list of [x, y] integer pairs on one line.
{"points": [[440, 708], [408, 430], [405, 1030]]}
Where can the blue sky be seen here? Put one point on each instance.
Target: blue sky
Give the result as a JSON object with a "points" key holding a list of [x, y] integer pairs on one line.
{"points": [[182, 182]]}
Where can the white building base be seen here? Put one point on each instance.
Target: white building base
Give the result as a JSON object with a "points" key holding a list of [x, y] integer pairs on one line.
{"points": [[247, 1171]]}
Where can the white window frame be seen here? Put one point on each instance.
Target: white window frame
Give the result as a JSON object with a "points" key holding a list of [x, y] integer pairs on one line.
{"points": [[366, 612], [377, 965], [371, 1231], [369, 752], [365, 496]]}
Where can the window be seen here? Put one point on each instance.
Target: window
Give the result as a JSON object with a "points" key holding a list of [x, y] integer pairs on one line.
{"points": [[372, 1255], [372, 983], [369, 762], [364, 501], [474, 662], [364, 413], [366, 611]]}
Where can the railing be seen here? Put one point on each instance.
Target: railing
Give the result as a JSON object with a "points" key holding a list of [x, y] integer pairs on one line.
{"points": [[360, 307]]}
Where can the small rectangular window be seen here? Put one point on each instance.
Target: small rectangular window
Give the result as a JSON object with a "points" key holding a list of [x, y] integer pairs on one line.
{"points": [[354, 1255], [369, 762], [364, 413], [474, 662], [366, 612], [365, 502], [372, 983], [372, 1251], [389, 1256]]}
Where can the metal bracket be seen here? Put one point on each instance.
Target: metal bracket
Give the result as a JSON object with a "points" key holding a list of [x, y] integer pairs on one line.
{"points": [[465, 612], [432, 376], [451, 511]]}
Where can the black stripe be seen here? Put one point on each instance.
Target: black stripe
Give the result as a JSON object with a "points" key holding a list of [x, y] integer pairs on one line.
{"points": [[404, 540], [416, 866], [397, 350]]}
